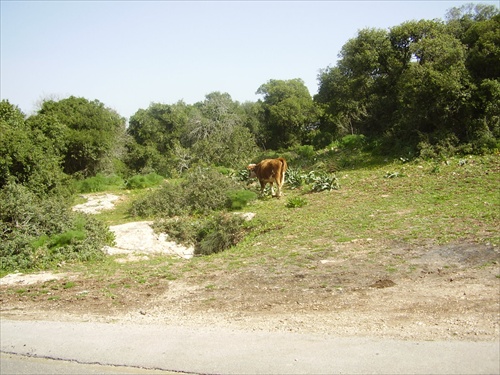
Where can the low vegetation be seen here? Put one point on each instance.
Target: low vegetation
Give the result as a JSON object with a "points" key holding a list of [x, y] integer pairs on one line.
{"points": [[43, 233]]}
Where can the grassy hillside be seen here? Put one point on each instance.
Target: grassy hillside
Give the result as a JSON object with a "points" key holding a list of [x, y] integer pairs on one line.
{"points": [[424, 203], [418, 204]]}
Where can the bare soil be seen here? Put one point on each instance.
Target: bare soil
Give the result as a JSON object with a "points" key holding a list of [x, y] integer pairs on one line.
{"points": [[448, 292]]}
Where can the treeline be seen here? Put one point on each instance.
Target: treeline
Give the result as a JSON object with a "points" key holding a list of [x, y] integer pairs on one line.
{"points": [[423, 87]]}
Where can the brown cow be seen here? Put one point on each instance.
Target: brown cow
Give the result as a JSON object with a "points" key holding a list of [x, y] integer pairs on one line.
{"points": [[269, 171]]}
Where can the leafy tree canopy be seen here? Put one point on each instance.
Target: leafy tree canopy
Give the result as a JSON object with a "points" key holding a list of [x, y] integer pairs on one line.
{"points": [[422, 82], [90, 133], [287, 112]]}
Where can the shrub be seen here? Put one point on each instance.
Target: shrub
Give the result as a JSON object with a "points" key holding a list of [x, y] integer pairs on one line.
{"points": [[144, 181], [181, 229], [169, 200], [238, 199], [294, 178], [209, 235], [325, 182], [206, 190], [353, 141], [306, 151], [98, 183], [296, 202], [219, 233], [241, 175], [38, 233], [203, 191]]}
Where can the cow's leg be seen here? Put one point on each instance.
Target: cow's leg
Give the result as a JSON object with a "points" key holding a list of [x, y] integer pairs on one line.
{"points": [[262, 187], [272, 189], [280, 185]]}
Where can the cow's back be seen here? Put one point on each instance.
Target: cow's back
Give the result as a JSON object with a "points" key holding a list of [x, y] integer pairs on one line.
{"points": [[271, 170], [284, 167]]}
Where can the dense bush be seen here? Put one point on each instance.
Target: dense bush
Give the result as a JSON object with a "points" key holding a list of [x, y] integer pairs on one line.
{"points": [[238, 199], [294, 178], [99, 182], [37, 233], [209, 235], [168, 200], [306, 151], [144, 181], [204, 190], [207, 190], [219, 233]]}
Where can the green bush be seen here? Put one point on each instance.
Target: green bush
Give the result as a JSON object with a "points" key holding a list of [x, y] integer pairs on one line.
{"points": [[241, 175], [294, 178], [296, 202], [306, 151], [38, 233], [219, 233], [182, 230], [169, 200], [238, 199], [143, 181], [353, 141], [325, 182], [204, 190], [209, 235], [99, 183]]}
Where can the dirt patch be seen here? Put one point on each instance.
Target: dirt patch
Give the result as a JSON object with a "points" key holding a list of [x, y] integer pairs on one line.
{"points": [[386, 283], [418, 297]]}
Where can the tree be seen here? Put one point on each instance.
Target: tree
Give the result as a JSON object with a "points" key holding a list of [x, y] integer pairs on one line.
{"points": [[93, 133], [252, 113], [28, 156], [358, 94], [423, 81], [217, 134], [483, 42], [156, 134], [287, 112], [434, 87], [160, 125]]}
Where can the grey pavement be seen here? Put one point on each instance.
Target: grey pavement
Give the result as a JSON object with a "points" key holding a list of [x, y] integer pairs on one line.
{"points": [[11, 364], [207, 350]]}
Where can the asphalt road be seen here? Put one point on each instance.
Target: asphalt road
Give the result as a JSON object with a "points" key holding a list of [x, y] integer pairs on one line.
{"points": [[24, 365], [225, 351]]}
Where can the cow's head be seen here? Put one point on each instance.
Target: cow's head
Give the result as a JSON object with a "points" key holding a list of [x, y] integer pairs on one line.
{"points": [[251, 170]]}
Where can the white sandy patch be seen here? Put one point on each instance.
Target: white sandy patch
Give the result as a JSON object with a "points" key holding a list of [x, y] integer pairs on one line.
{"points": [[139, 238], [96, 203], [31, 278]]}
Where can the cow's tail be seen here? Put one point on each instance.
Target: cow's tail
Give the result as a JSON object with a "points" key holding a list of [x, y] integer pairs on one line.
{"points": [[284, 167]]}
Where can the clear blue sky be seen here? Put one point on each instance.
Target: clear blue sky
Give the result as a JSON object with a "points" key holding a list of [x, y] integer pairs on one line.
{"points": [[128, 54]]}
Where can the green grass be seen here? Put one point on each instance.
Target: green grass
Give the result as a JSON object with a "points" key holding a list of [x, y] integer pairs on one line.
{"points": [[459, 202], [120, 214], [428, 203]]}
